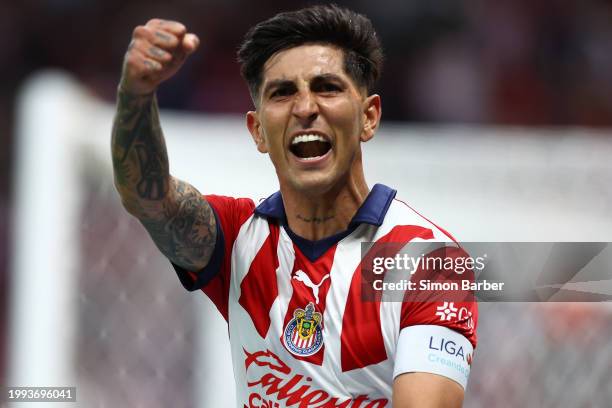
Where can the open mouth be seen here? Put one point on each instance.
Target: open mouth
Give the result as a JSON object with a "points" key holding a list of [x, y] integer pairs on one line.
{"points": [[310, 146]]}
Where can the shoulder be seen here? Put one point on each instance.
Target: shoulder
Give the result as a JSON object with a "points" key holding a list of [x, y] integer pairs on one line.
{"points": [[401, 213]]}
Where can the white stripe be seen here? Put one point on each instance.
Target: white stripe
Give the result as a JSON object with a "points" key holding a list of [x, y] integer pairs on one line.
{"points": [[286, 259], [251, 237]]}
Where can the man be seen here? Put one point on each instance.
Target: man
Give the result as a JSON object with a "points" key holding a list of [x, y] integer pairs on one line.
{"points": [[285, 273]]}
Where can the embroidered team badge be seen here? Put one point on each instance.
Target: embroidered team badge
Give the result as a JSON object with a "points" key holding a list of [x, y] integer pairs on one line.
{"points": [[304, 335]]}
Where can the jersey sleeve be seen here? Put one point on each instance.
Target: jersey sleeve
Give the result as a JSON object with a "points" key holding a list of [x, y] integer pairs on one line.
{"points": [[439, 318], [214, 279]]}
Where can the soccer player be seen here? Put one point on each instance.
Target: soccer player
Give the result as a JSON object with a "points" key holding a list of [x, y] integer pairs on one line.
{"points": [[285, 272]]}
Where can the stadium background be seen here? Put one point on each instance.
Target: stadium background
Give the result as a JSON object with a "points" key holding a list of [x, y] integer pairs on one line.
{"points": [[543, 64]]}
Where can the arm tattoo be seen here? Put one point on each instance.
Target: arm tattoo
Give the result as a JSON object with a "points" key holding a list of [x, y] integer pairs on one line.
{"points": [[140, 160], [186, 233], [152, 184], [175, 214]]}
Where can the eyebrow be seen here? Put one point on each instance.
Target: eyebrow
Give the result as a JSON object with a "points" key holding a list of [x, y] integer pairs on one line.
{"points": [[328, 77], [278, 83]]}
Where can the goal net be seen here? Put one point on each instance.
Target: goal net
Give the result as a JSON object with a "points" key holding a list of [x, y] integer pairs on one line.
{"points": [[96, 306]]}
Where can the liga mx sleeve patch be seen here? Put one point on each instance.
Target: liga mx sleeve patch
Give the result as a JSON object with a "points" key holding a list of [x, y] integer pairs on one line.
{"points": [[434, 349]]}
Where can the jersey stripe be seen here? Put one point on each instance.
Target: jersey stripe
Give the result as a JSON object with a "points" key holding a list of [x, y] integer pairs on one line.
{"points": [[286, 260], [363, 344], [258, 289]]}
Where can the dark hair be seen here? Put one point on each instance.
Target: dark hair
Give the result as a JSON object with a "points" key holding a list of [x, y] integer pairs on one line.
{"points": [[324, 24]]}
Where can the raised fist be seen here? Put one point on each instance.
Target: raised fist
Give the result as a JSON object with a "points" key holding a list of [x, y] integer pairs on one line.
{"points": [[156, 52]]}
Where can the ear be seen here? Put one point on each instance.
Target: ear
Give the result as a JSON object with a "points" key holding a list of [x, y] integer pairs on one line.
{"points": [[254, 126], [371, 116]]}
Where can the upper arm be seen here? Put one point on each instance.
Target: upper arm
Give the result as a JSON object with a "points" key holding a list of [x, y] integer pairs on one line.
{"points": [[426, 390], [436, 342], [185, 228]]}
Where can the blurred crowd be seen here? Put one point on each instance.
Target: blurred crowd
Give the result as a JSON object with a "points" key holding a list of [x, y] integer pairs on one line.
{"points": [[511, 62], [506, 62]]}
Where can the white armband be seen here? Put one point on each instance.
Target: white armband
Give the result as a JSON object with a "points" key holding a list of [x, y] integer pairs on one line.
{"points": [[434, 349]]}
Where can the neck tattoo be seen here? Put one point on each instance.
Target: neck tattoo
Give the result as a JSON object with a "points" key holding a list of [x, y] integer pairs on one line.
{"points": [[315, 220]]}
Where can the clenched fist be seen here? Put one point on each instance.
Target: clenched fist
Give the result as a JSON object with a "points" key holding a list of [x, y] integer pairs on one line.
{"points": [[156, 52]]}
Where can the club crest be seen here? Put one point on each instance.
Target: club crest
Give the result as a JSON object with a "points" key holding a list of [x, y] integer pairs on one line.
{"points": [[303, 335]]}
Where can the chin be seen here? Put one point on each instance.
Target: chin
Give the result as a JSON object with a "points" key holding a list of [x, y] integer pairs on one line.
{"points": [[314, 183]]}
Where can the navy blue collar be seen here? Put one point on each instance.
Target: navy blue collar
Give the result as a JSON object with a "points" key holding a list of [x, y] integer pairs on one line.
{"points": [[372, 211]]}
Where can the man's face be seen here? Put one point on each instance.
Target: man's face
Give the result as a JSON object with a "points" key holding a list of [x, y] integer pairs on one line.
{"points": [[311, 117]]}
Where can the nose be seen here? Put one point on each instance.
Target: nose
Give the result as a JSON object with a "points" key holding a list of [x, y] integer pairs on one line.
{"points": [[305, 107]]}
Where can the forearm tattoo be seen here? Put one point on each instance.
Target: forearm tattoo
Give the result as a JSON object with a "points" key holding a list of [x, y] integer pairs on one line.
{"points": [[175, 214], [140, 160]]}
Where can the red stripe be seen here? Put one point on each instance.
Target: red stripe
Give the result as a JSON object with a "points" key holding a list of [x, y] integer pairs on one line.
{"points": [[361, 340], [217, 290], [259, 289]]}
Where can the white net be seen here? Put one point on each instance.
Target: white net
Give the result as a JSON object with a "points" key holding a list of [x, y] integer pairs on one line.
{"points": [[135, 343], [97, 306]]}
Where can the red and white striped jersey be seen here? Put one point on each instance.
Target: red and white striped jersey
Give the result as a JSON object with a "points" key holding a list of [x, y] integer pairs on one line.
{"points": [[301, 333]]}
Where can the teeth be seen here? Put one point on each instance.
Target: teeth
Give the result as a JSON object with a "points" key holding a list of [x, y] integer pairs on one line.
{"points": [[310, 158], [307, 138]]}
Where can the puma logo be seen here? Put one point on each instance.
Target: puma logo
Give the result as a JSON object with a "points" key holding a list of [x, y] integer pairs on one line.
{"points": [[305, 279]]}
